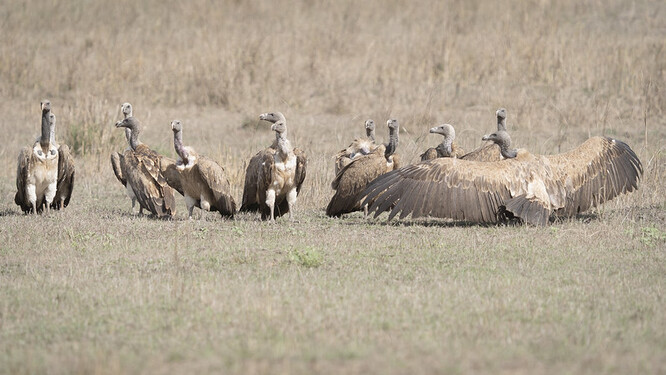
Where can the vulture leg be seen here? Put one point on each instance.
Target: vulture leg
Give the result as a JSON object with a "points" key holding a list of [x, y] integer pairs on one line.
{"points": [[190, 202], [205, 207], [291, 201], [270, 202], [32, 196]]}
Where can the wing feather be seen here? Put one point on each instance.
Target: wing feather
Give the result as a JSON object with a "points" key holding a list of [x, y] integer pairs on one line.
{"points": [[215, 177], [22, 170], [250, 201], [351, 180], [66, 172]]}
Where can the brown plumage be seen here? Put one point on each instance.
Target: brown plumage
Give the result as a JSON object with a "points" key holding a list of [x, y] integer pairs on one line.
{"points": [[143, 172], [118, 160], [446, 149], [202, 181], [37, 168], [359, 147], [274, 176], [353, 178], [66, 170], [526, 186]]}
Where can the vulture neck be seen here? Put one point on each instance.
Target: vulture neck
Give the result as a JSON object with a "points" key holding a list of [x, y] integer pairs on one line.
{"points": [[178, 145], [506, 152], [45, 138], [52, 133], [445, 148], [501, 124], [370, 134], [392, 144], [134, 137], [283, 144], [128, 134]]}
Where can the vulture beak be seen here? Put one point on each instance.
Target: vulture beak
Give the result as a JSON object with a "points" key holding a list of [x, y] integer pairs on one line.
{"points": [[118, 124], [433, 130], [486, 137], [272, 127]]}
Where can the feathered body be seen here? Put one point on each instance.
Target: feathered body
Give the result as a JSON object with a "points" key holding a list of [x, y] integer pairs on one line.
{"points": [[37, 168], [523, 185], [143, 168], [359, 147], [354, 177], [274, 176], [202, 181], [118, 160]]}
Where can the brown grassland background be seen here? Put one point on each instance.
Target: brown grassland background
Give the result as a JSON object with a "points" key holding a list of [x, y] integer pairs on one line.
{"points": [[94, 289]]}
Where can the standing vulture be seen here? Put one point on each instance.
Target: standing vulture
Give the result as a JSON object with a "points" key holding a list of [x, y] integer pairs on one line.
{"points": [[274, 176], [143, 172], [353, 178], [446, 149], [37, 169], [201, 180], [66, 171], [118, 160], [359, 147], [523, 185]]}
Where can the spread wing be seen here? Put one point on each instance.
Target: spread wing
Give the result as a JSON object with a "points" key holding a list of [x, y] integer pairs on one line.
{"points": [[597, 171], [22, 169], [466, 190], [351, 180], [117, 161], [65, 184], [301, 168], [487, 152], [250, 189], [215, 177]]}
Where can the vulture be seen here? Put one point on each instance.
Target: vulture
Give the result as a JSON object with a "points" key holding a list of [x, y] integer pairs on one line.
{"points": [[489, 151], [66, 170], [37, 169], [360, 146], [274, 176], [202, 181], [446, 149], [118, 160], [143, 172], [353, 178], [522, 185]]}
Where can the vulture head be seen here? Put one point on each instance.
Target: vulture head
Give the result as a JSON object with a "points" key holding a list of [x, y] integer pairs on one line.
{"points": [[126, 108], [279, 127], [272, 117], [393, 124], [501, 119], [503, 140], [176, 126], [46, 106], [446, 130]]}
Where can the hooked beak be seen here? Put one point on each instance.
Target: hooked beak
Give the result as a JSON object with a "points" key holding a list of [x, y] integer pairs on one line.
{"points": [[433, 130], [486, 137]]}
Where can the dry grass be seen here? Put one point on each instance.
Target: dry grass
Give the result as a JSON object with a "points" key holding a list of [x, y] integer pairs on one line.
{"points": [[93, 289]]}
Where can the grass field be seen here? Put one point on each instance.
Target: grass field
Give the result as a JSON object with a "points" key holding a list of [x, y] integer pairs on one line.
{"points": [[94, 289]]}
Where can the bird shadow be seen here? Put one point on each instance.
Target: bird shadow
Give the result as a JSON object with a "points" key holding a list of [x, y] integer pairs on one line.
{"points": [[9, 212]]}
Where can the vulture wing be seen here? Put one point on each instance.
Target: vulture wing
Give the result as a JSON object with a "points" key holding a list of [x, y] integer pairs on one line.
{"points": [[301, 168], [65, 184], [117, 161], [597, 171], [351, 180], [487, 152], [22, 179], [216, 179], [172, 174], [250, 202], [468, 190], [148, 183]]}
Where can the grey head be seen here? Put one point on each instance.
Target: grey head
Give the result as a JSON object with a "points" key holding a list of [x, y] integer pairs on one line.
{"points": [[45, 105], [176, 126], [446, 130], [393, 124], [126, 109], [501, 119], [280, 127], [272, 117], [370, 129], [503, 140]]}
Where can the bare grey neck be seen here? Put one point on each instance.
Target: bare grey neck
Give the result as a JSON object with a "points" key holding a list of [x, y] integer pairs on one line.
{"points": [[370, 133], [46, 129], [134, 137], [445, 148], [393, 142], [52, 132], [283, 144], [501, 124], [506, 152], [178, 145], [128, 134]]}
